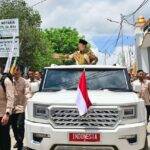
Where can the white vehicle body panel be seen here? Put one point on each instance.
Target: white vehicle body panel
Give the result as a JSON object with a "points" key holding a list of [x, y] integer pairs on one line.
{"points": [[99, 98]]}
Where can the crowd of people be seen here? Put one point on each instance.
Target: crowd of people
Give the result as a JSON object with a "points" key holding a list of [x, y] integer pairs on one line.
{"points": [[14, 92]]}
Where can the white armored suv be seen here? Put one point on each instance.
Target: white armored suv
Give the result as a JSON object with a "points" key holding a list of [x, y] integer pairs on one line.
{"points": [[116, 120]]}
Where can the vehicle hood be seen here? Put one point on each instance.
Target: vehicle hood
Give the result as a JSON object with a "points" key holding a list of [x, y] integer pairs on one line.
{"points": [[101, 97]]}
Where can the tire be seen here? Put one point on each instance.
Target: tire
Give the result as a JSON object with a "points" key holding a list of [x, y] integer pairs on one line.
{"points": [[146, 144]]}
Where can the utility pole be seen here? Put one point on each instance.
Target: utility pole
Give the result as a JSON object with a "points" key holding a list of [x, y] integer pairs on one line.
{"points": [[105, 61], [122, 48], [129, 53]]}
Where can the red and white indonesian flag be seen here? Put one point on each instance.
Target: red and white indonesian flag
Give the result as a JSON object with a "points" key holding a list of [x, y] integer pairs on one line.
{"points": [[83, 102]]}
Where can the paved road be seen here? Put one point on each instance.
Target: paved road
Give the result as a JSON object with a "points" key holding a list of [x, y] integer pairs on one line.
{"points": [[148, 128], [13, 141]]}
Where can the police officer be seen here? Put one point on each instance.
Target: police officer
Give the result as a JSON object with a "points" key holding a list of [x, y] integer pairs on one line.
{"points": [[6, 106], [22, 93]]}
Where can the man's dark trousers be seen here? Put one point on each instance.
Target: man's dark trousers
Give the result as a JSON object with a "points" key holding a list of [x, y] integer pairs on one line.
{"points": [[17, 122], [4, 137]]}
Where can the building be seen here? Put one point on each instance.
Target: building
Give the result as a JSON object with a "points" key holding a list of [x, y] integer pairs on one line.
{"points": [[142, 44]]}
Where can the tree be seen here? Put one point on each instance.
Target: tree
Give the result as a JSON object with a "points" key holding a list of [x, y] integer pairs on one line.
{"points": [[43, 58], [63, 40], [30, 34]]}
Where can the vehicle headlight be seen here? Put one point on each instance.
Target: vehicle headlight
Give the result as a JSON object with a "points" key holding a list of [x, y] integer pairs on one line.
{"points": [[129, 112], [40, 111]]}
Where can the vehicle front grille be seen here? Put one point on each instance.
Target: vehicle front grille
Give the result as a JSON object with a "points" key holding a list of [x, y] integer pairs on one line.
{"points": [[99, 117]]}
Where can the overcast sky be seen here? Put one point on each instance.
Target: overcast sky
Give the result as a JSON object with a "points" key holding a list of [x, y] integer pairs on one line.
{"points": [[89, 16]]}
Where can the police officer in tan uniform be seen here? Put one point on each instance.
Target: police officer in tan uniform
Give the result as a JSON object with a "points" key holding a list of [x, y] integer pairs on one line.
{"points": [[22, 94], [83, 55], [6, 106]]}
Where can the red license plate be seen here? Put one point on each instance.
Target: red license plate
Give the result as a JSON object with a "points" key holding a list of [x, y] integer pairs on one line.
{"points": [[84, 137]]}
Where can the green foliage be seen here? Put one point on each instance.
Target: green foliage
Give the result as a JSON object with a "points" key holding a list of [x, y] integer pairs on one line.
{"points": [[43, 58], [63, 40]]}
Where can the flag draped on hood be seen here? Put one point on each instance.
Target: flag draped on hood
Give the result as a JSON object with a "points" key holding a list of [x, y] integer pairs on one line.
{"points": [[83, 102]]}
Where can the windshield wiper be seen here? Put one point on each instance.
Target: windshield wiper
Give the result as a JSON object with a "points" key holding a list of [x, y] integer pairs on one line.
{"points": [[51, 90], [114, 89], [101, 89], [118, 89], [71, 88]]}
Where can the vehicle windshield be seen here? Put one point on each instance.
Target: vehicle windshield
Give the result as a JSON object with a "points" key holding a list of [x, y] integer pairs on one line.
{"points": [[97, 79]]}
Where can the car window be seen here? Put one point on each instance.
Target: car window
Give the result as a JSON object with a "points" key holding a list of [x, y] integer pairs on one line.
{"points": [[58, 79]]}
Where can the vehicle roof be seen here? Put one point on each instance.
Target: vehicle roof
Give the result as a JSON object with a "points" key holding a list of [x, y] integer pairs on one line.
{"points": [[84, 66]]}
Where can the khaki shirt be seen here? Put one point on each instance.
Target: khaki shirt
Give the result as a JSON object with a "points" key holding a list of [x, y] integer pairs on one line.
{"points": [[80, 58], [145, 92], [22, 94], [87, 57], [92, 57], [6, 98]]}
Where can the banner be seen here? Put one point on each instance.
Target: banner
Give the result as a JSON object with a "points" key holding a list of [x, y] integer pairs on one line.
{"points": [[8, 27], [6, 45]]}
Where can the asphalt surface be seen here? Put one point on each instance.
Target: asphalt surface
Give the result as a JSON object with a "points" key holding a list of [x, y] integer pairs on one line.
{"points": [[13, 141], [148, 129]]}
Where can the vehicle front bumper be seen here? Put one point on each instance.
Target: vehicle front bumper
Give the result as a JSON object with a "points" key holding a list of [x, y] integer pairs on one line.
{"points": [[117, 137]]}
